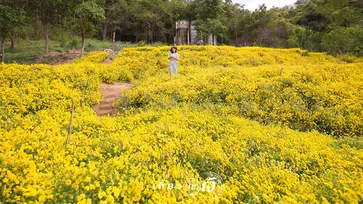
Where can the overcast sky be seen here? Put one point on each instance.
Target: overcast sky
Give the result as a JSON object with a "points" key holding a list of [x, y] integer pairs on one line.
{"points": [[253, 4]]}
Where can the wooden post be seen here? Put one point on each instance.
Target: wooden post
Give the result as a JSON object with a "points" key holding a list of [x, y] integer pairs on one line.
{"points": [[70, 124]]}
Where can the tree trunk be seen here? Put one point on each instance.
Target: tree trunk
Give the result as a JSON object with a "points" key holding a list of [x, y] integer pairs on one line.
{"points": [[12, 40], [45, 26], [188, 36], [152, 37], [3, 48], [236, 36], [107, 14], [82, 49], [306, 38], [113, 39], [149, 34], [104, 33]]}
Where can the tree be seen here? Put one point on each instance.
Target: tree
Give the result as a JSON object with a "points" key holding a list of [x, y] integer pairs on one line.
{"points": [[343, 34], [9, 18], [14, 4], [209, 18], [88, 13], [117, 17], [149, 17], [344, 13], [344, 41], [175, 10], [315, 21], [262, 34], [234, 12], [49, 12], [312, 24]]}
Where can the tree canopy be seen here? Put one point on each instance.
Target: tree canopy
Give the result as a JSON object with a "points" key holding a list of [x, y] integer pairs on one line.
{"points": [[334, 26]]}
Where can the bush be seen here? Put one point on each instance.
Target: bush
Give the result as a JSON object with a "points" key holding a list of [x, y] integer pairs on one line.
{"points": [[175, 129], [344, 41]]}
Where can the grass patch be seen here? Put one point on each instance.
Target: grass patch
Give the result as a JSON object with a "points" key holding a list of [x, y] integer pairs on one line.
{"points": [[31, 52]]}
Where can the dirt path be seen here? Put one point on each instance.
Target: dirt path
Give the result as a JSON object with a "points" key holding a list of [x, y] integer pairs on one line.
{"points": [[57, 58], [107, 61], [110, 92]]}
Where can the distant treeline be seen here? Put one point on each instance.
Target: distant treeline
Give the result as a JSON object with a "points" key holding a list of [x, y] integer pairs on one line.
{"points": [[333, 26]]}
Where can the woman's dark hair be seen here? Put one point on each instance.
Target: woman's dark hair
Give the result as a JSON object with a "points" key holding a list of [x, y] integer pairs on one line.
{"points": [[171, 49]]}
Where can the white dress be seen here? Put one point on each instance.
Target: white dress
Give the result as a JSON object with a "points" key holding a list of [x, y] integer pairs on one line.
{"points": [[173, 66]]}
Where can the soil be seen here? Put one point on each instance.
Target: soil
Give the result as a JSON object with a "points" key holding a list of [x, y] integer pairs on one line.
{"points": [[110, 93], [107, 61], [56, 58]]}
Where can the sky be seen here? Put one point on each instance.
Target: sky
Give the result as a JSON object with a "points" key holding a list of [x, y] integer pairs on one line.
{"points": [[253, 4]]}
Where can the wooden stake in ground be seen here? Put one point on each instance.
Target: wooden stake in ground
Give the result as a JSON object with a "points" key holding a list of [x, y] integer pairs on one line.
{"points": [[70, 124]]}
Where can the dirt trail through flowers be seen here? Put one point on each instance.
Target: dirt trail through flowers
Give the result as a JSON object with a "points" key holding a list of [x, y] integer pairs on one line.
{"points": [[110, 93]]}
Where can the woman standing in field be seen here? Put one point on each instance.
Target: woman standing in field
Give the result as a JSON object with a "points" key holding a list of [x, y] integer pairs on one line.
{"points": [[173, 57]]}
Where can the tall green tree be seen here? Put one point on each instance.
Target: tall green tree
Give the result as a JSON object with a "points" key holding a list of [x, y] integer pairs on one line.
{"points": [[313, 18], [117, 17], [234, 13], [344, 34], [17, 5], [49, 12], [148, 17], [209, 18], [87, 15], [9, 18]]}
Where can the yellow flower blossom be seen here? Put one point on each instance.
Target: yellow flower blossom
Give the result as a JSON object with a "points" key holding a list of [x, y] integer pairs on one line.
{"points": [[277, 125]]}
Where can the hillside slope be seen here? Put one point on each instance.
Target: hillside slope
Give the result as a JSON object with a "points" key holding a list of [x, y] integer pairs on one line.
{"points": [[275, 125]]}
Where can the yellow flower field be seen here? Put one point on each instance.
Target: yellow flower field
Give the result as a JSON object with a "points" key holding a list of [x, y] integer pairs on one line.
{"points": [[277, 125]]}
